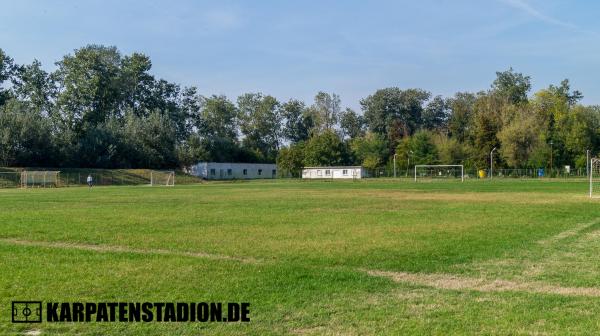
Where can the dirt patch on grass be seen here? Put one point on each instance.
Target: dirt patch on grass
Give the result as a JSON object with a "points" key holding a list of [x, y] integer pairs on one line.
{"points": [[124, 249], [453, 282], [319, 330], [469, 197], [34, 332]]}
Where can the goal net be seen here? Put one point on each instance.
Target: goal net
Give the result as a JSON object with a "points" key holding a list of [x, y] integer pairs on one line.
{"points": [[594, 178], [162, 178], [40, 178], [439, 172]]}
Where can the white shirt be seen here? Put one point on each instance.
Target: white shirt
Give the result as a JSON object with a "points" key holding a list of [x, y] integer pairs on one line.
{"points": [[89, 178]]}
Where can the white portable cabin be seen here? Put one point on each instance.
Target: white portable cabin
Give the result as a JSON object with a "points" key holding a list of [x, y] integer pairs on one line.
{"points": [[338, 172], [231, 171]]}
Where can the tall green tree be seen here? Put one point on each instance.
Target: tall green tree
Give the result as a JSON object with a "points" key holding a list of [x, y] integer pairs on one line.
{"points": [[325, 149], [260, 124], [370, 150], [7, 68], [89, 87], [290, 160], [352, 124], [450, 150], [419, 147], [35, 86], [298, 121], [435, 114], [460, 120], [152, 140], [512, 86], [325, 111], [25, 136], [393, 112], [219, 118], [564, 90], [136, 84], [519, 140], [487, 122]]}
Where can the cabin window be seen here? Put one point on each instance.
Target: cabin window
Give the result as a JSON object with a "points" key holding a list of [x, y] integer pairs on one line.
{"points": [[213, 172], [274, 172], [319, 172], [260, 172], [229, 172], [327, 172], [245, 172], [345, 171]]}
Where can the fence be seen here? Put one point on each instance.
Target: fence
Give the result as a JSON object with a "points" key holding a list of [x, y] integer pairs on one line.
{"points": [[12, 179], [473, 173]]}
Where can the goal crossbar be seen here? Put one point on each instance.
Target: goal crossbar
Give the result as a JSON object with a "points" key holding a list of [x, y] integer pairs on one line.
{"points": [[462, 170], [162, 178]]}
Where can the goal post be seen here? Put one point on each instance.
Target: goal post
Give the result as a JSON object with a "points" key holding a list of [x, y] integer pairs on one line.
{"points": [[162, 178], [40, 178], [440, 171]]}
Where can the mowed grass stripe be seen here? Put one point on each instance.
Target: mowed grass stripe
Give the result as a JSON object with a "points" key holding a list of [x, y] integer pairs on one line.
{"points": [[122, 249], [454, 282]]}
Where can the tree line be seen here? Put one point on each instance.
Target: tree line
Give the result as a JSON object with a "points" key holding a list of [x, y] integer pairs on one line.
{"points": [[102, 109]]}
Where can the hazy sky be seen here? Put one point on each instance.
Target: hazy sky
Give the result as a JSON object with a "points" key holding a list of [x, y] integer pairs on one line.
{"points": [[296, 48]]}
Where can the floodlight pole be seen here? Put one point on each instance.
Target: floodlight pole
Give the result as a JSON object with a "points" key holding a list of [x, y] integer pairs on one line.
{"points": [[591, 177], [492, 163], [395, 164], [551, 163], [408, 163], [587, 162]]}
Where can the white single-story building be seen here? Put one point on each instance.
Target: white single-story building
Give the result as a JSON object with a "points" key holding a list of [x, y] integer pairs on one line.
{"points": [[230, 171], [339, 172]]}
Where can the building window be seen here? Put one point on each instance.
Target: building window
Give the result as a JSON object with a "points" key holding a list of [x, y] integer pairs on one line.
{"points": [[319, 172], [327, 172], [245, 172], [213, 172], [260, 172], [274, 172], [345, 171], [229, 172]]}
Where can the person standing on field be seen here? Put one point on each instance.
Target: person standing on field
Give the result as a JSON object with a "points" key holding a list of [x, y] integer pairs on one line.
{"points": [[90, 181]]}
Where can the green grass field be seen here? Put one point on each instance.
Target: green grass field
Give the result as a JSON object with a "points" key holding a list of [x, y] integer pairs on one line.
{"points": [[312, 258]]}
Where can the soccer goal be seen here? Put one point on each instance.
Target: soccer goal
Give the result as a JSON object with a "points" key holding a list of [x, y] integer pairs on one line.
{"points": [[594, 178], [439, 172], [162, 178], [40, 178]]}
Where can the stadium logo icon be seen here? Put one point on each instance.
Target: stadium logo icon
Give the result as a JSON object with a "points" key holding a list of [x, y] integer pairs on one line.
{"points": [[27, 311]]}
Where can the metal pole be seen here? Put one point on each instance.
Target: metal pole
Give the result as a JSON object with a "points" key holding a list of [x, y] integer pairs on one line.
{"points": [[492, 163], [587, 162], [591, 175], [415, 173], [551, 164], [395, 165], [408, 164]]}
